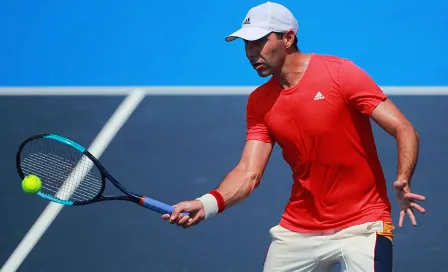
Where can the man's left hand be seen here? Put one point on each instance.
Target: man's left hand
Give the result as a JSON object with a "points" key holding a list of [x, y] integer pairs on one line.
{"points": [[406, 201]]}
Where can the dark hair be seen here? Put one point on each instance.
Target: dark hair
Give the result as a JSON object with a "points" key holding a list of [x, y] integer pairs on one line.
{"points": [[294, 45]]}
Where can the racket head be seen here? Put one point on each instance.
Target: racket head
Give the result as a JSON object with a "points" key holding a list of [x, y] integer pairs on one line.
{"points": [[70, 175]]}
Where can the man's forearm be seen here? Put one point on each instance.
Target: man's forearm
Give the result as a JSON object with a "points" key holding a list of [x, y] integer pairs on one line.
{"points": [[408, 147], [238, 185]]}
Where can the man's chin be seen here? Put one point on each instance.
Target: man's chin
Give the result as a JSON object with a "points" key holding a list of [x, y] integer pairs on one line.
{"points": [[263, 73]]}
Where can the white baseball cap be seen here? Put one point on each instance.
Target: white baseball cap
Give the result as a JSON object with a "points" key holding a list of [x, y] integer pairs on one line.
{"points": [[264, 19]]}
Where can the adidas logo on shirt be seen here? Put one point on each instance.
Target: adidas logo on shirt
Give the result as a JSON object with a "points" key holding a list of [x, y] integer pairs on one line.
{"points": [[319, 96]]}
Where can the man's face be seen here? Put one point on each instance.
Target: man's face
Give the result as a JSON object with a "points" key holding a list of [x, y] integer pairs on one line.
{"points": [[266, 54]]}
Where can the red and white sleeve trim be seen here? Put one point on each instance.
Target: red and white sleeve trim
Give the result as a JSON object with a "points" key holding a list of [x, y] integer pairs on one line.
{"points": [[213, 203]]}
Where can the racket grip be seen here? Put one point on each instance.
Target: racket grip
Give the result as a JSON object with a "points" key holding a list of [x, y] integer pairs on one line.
{"points": [[157, 206]]}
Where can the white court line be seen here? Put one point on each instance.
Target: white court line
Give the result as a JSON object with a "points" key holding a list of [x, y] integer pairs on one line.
{"points": [[97, 147], [189, 90]]}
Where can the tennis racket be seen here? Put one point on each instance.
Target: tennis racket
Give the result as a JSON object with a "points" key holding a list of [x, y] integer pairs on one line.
{"points": [[71, 175]]}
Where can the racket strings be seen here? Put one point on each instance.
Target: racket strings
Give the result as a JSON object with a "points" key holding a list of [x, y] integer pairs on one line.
{"points": [[66, 173], [59, 171]]}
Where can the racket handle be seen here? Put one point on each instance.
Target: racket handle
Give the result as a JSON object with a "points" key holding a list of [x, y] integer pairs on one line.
{"points": [[157, 206]]}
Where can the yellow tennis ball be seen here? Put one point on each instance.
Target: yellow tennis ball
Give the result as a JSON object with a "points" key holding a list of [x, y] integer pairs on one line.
{"points": [[31, 184]]}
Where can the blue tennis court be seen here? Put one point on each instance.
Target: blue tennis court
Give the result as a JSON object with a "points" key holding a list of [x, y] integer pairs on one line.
{"points": [[176, 147], [182, 138]]}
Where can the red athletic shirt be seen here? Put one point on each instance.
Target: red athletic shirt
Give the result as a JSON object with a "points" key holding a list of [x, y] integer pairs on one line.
{"points": [[323, 127]]}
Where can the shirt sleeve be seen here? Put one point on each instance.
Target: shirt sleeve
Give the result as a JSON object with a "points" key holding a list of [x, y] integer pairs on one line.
{"points": [[359, 89], [256, 128]]}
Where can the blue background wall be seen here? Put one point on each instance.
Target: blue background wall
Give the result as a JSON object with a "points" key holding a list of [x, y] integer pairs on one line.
{"points": [[109, 42]]}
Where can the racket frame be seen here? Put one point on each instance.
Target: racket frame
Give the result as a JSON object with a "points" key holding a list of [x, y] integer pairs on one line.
{"points": [[129, 196]]}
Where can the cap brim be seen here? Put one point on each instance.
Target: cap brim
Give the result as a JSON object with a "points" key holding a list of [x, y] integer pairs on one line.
{"points": [[248, 33]]}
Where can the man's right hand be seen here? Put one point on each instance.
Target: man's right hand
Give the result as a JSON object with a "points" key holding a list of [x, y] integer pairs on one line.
{"points": [[194, 208]]}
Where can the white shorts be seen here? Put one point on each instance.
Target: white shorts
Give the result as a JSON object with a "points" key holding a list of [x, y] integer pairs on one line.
{"points": [[358, 249]]}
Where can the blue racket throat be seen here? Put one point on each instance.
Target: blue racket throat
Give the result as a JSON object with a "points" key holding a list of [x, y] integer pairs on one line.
{"points": [[71, 175]]}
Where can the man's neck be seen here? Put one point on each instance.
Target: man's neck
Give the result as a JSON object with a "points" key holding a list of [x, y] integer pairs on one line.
{"points": [[293, 69]]}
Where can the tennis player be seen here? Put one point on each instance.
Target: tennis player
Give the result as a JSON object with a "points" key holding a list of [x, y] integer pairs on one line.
{"points": [[318, 109]]}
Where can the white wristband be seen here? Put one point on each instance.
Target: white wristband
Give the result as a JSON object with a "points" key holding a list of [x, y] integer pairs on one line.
{"points": [[210, 205]]}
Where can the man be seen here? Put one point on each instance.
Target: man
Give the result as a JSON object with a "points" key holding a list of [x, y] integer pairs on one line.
{"points": [[318, 109]]}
